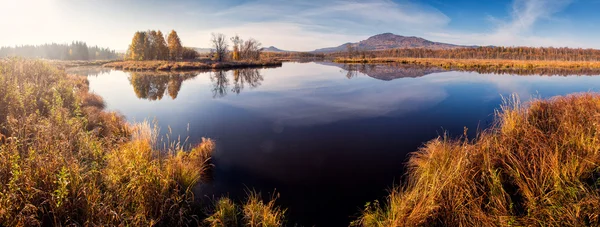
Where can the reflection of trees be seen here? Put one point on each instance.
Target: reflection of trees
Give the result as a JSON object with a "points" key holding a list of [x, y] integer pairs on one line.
{"points": [[246, 77], [220, 83], [153, 86]]}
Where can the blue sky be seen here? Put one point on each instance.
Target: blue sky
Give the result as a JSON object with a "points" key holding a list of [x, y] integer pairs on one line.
{"points": [[304, 25]]}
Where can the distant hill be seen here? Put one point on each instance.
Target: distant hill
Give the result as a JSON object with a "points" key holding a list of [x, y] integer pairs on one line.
{"points": [[274, 49], [202, 50], [387, 41]]}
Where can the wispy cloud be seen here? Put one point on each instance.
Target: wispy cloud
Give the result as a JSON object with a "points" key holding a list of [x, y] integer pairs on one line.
{"points": [[326, 22], [519, 29]]}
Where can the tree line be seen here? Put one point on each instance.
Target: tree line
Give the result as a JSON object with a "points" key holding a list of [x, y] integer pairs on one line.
{"points": [[509, 53], [151, 45], [74, 51]]}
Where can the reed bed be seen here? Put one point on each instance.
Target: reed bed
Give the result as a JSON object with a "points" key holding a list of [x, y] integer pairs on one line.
{"points": [[64, 161], [538, 166]]}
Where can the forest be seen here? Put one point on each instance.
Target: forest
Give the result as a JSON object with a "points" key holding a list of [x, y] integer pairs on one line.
{"points": [[506, 53], [75, 51]]}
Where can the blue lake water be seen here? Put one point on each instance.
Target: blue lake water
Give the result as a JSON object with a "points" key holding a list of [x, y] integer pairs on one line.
{"points": [[327, 137]]}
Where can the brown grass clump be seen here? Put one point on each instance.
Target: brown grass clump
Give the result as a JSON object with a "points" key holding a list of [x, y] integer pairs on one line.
{"points": [[253, 213], [538, 166]]}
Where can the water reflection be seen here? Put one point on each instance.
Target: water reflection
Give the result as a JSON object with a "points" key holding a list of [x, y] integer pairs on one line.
{"points": [[153, 86], [391, 71], [88, 71], [386, 72], [325, 142], [246, 77]]}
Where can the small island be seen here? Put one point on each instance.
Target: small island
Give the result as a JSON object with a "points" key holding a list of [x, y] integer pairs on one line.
{"points": [[149, 51]]}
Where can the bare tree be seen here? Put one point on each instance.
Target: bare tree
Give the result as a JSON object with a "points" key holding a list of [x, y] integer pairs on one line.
{"points": [[250, 49], [219, 43]]}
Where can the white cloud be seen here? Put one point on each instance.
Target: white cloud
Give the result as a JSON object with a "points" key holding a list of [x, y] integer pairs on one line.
{"points": [[519, 29]]}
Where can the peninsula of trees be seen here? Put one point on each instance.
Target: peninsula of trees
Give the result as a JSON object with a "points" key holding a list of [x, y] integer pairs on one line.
{"points": [[151, 50]]}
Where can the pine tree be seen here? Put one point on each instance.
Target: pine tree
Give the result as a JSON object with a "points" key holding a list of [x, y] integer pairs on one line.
{"points": [[175, 48]]}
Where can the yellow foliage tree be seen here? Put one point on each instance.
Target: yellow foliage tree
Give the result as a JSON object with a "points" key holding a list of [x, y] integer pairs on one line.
{"points": [[175, 47]]}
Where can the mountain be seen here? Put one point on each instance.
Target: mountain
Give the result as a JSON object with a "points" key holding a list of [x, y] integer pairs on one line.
{"points": [[273, 49], [387, 41]]}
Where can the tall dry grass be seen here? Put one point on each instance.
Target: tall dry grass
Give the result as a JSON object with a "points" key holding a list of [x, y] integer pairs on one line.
{"points": [[538, 166], [65, 161]]}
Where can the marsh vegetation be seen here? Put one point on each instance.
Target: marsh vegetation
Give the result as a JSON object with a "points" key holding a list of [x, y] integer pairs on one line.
{"points": [[66, 161]]}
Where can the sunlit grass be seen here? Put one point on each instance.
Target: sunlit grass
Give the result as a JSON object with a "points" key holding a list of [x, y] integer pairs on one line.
{"points": [[66, 161], [539, 165]]}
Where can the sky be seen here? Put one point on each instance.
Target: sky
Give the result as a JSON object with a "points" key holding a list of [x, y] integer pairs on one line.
{"points": [[304, 25]]}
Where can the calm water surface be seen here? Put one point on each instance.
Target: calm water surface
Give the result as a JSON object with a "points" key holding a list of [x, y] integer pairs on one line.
{"points": [[328, 138]]}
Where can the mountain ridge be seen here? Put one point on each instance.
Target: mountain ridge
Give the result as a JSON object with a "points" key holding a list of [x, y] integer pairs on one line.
{"points": [[386, 41]]}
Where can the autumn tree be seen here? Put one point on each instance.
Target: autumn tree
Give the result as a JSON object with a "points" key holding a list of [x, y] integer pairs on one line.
{"points": [[237, 42], [161, 45], [137, 50], [219, 44], [175, 47]]}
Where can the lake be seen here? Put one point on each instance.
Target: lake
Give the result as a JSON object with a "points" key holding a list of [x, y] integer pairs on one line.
{"points": [[327, 137]]}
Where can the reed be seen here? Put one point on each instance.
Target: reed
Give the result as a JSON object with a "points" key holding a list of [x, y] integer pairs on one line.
{"points": [[539, 165]]}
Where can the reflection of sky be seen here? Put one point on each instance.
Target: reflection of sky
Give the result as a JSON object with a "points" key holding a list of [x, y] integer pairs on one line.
{"points": [[308, 94], [320, 138]]}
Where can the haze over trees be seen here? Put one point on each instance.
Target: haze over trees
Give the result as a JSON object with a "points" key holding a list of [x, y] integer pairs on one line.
{"points": [[75, 51]]}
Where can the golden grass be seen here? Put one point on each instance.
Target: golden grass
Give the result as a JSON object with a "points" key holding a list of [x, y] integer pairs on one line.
{"points": [[65, 161], [188, 65], [226, 214], [258, 213], [479, 64], [539, 165]]}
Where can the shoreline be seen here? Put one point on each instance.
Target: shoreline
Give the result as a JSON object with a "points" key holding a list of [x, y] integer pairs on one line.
{"points": [[188, 65], [478, 64]]}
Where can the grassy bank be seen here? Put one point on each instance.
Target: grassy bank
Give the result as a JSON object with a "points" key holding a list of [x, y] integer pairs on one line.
{"points": [[189, 65], [539, 165], [479, 64], [66, 161]]}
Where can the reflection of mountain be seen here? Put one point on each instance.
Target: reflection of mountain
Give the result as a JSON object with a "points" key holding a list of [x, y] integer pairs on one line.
{"points": [[152, 86], [386, 72]]}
